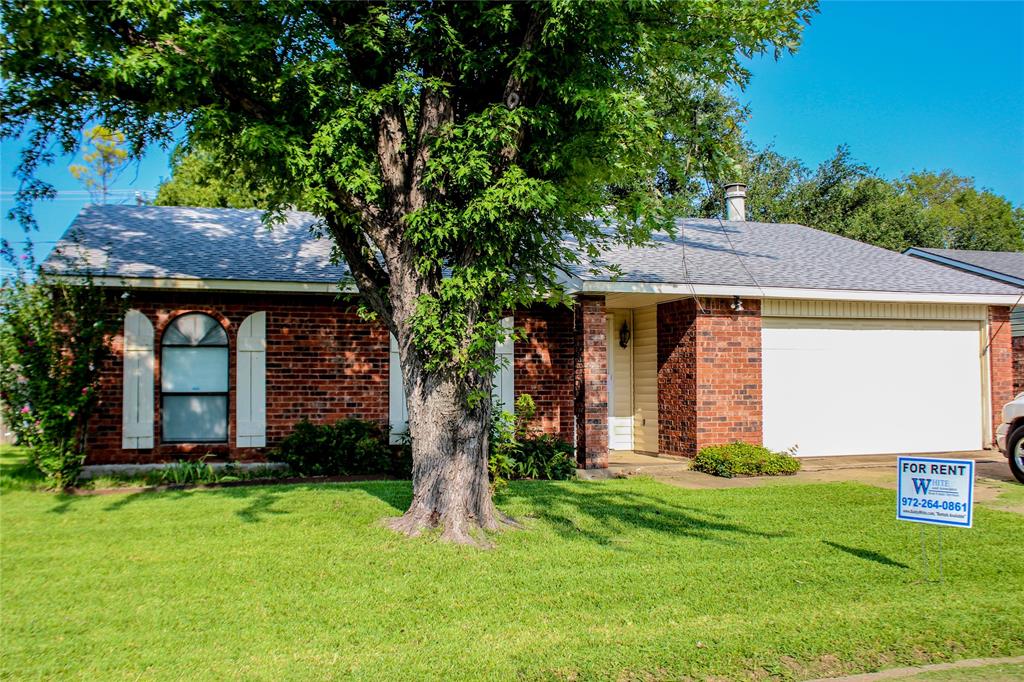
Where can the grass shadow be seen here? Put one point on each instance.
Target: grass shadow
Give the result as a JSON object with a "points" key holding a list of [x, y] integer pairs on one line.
{"points": [[16, 472], [866, 554], [601, 513], [260, 498], [597, 512]]}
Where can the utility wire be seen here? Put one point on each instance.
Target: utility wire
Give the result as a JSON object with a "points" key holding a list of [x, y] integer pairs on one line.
{"points": [[721, 226], [686, 270]]}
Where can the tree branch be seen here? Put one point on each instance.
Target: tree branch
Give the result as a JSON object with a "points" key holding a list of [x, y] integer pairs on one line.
{"points": [[392, 137], [228, 89], [517, 88], [436, 112], [366, 270]]}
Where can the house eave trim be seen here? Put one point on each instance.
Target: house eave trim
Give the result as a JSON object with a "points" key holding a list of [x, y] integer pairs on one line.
{"points": [[182, 284], [714, 290], [966, 267]]}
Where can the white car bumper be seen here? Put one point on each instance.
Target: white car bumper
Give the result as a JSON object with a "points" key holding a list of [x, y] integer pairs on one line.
{"points": [[1001, 434]]}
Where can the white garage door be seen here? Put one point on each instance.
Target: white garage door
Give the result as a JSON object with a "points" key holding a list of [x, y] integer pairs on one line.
{"points": [[837, 387]]}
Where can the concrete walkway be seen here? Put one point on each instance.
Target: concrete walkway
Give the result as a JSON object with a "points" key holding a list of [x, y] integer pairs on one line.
{"points": [[923, 671], [992, 472]]}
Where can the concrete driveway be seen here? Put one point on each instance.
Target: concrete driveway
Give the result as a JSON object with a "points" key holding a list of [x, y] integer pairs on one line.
{"points": [[993, 479]]}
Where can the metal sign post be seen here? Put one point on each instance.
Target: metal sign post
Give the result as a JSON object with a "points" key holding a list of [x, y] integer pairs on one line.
{"points": [[937, 492]]}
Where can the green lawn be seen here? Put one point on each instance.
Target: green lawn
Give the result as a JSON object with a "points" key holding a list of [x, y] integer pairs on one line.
{"points": [[622, 579]]}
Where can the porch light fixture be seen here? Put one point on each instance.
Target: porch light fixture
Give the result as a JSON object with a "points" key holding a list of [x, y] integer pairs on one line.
{"points": [[624, 334], [737, 304]]}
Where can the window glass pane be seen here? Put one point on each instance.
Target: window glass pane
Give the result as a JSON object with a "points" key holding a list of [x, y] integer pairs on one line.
{"points": [[195, 329], [194, 370], [173, 336], [214, 336], [195, 418]]}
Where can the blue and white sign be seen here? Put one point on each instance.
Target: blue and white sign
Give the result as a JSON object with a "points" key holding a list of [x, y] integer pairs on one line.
{"points": [[932, 490]]}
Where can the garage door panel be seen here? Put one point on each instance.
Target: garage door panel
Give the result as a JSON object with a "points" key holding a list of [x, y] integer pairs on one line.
{"points": [[871, 386]]}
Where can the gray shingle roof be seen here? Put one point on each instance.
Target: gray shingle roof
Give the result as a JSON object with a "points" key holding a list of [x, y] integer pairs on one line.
{"points": [[784, 255], [190, 243], [229, 244], [997, 262]]}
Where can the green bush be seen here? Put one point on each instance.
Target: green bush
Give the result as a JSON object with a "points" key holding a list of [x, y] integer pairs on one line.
{"points": [[54, 337], [517, 452], [744, 459], [346, 448], [546, 457]]}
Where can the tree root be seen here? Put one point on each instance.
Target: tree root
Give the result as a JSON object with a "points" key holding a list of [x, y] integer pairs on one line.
{"points": [[416, 522]]}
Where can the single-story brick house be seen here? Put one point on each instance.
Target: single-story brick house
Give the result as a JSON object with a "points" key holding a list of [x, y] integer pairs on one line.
{"points": [[1001, 266], [731, 330]]}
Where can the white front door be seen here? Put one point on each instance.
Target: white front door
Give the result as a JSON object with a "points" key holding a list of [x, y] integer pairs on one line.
{"points": [[620, 381]]}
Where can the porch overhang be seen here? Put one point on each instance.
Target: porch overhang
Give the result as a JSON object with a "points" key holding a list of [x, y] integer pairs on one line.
{"points": [[657, 292]]}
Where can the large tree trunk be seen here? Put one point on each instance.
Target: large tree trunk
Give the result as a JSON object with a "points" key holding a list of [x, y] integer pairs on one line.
{"points": [[450, 437]]}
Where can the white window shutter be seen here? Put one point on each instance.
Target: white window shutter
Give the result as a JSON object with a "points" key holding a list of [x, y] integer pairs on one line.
{"points": [[503, 388], [398, 414], [137, 394], [251, 383]]}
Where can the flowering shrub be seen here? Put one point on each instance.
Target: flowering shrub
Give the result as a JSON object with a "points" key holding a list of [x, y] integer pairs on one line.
{"points": [[53, 338]]}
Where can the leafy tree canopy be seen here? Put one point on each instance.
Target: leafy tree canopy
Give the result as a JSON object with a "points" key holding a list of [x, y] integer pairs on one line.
{"points": [[454, 150], [430, 136]]}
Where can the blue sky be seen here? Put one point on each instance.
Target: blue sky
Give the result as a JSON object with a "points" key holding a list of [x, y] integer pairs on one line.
{"points": [[909, 86], [915, 85]]}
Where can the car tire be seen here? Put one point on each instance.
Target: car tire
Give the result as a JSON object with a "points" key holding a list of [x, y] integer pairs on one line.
{"points": [[1015, 453]]}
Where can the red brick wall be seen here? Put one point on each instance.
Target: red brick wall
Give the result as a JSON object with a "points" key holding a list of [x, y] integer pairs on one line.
{"points": [[544, 366], [709, 375], [1018, 364], [591, 382], [1001, 361], [323, 362], [728, 373], [677, 378]]}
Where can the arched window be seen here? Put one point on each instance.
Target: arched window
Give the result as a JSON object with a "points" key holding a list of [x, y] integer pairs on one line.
{"points": [[194, 381]]}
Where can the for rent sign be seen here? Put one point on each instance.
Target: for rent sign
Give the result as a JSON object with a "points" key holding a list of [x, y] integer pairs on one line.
{"points": [[931, 490]]}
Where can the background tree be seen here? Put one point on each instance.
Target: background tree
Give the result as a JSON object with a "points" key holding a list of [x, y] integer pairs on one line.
{"points": [[848, 197], [969, 218], [456, 152], [199, 178], [103, 164]]}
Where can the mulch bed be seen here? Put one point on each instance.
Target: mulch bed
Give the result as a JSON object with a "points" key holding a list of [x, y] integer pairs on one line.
{"points": [[290, 480]]}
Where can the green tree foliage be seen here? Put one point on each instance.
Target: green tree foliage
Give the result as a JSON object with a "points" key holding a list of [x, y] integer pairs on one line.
{"points": [[968, 218], [103, 163], [847, 197], [199, 178], [54, 336], [455, 151]]}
